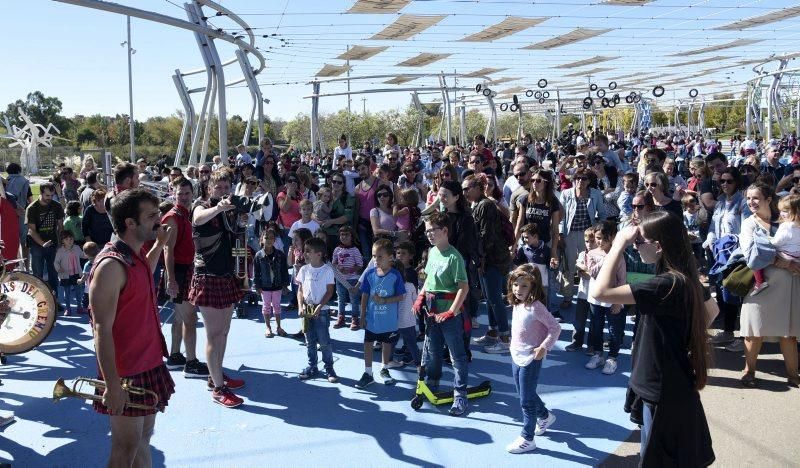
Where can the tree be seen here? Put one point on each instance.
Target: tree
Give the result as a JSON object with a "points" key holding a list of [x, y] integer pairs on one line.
{"points": [[297, 131], [41, 109]]}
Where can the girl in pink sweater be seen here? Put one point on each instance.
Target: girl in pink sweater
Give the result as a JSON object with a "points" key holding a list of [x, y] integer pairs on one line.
{"points": [[534, 331]]}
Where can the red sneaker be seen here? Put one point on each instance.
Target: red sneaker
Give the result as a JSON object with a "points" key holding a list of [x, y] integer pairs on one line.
{"points": [[226, 398], [232, 384]]}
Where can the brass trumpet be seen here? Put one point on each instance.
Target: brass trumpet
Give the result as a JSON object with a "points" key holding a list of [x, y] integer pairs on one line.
{"points": [[61, 390]]}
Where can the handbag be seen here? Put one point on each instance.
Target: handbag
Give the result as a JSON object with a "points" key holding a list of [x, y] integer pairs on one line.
{"points": [[739, 280]]}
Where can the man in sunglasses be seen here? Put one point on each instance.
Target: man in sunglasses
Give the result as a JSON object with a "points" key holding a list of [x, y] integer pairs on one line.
{"points": [[265, 149], [395, 169], [521, 172], [790, 185]]}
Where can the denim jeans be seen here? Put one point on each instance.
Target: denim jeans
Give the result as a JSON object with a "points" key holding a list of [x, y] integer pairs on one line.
{"points": [[450, 332], [71, 292], [365, 238], [44, 258], [526, 379], [318, 333], [573, 243], [409, 336], [492, 284], [552, 290], [648, 413], [616, 329], [343, 294], [581, 314]]}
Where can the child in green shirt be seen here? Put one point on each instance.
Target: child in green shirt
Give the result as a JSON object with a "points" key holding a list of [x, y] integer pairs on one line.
{"points": [[72, 222], [444, 292]]}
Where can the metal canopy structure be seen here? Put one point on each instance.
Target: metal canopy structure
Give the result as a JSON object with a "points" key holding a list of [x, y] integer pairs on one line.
{"points": [[692, 51]]}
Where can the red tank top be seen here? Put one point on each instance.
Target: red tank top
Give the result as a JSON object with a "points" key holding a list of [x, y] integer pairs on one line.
{"points": [[184, 245], [138, 342]]}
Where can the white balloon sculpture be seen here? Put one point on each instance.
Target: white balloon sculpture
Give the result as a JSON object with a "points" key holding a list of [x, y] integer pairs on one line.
{"points": [[29, 137]]}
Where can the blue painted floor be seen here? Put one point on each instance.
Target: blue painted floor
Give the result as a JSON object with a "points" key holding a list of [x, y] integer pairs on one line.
{"points": [[287, 422]]}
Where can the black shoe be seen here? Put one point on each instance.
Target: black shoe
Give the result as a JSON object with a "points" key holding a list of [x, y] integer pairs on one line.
{"points": [[365, 380], [176, 361], [574, 346], [387, 377], [195, 369]]}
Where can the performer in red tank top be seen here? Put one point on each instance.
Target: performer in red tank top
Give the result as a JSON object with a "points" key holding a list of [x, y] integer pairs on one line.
{"points": [[127, 329]]}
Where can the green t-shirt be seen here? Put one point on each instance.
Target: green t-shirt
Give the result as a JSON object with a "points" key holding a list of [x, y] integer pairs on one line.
{"points": [[444, 271], [73, 225]]}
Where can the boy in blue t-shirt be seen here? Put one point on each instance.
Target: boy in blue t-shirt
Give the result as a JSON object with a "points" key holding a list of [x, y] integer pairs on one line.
{"points": [[383, 288]]}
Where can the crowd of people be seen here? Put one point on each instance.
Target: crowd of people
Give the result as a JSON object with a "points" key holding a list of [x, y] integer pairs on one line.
{"points": [[591, 227]]}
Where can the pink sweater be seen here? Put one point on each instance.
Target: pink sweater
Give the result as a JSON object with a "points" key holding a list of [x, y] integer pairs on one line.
{"points": [[531, 326], [594, 261]]}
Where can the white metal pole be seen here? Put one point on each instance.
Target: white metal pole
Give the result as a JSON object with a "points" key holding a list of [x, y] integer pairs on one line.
{"points": [[130, 94]]}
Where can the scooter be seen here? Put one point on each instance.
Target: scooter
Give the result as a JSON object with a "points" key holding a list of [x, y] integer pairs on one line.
{"points": [[423, 392]]}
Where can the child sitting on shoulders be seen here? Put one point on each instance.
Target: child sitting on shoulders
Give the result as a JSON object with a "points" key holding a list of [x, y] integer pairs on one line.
{"points": [[534, 332], [314, 290], [381, 291]]}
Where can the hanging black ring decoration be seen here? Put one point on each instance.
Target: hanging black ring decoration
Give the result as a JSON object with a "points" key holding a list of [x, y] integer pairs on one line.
{"points": [[545, 94], [541, 100], [537, 95], [515, 99], [637, 98], [604, 102], [615, 99], [592, 87], [601, 93], [629, 99], [542, 83], [612, 104], [693, 93], [478, 88], [529, 93], [658, 91], [504, 106], [587, 102], [612, 86], [487, 92], [513, 107]]}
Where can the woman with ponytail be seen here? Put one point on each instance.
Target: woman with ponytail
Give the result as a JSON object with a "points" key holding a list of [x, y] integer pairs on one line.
{"points": [[670, 357]]}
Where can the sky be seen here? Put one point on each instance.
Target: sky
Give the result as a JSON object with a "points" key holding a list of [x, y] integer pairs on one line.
{"points": [[74, 53]]}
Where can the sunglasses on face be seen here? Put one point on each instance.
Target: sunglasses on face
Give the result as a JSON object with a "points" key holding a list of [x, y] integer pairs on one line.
{"points": [[638, 207], [538, 181], [520, 174], [252, 183], [391, 159], [205, 172], [337, 182], [651, 184], [475, 161], [384, 195], [726, 181]]}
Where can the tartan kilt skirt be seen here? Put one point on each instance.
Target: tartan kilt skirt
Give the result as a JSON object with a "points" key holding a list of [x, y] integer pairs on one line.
{"points": [[219, 292], [156, 380]]}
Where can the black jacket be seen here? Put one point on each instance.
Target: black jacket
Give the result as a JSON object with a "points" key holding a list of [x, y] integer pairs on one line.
{"points": [[271, 271]]}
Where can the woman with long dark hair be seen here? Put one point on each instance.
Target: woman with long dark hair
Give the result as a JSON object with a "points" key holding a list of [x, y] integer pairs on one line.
{"points": [[670, 357]]}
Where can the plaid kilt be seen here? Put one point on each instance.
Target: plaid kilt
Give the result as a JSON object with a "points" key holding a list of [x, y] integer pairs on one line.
{"points": [[157, 380], [219, 292]]}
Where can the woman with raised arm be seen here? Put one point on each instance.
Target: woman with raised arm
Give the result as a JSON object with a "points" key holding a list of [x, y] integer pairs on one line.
{"points": [[670, 352]]}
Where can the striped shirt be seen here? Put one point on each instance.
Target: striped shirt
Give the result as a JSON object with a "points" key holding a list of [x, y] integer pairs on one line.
{"points": [[348, 260]]}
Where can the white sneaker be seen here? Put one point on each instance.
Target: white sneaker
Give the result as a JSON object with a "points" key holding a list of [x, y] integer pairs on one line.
{"points": [[610, 367], [722, 337], [736, 347], [485, 339], [520, 445], [498, 348], [394, 364], [543, 424], [595, 361]]}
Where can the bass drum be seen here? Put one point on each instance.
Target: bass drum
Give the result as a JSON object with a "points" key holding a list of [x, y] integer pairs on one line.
{"points": [[31, 316]]}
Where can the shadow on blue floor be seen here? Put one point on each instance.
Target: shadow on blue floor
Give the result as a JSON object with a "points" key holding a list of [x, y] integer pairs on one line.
{"points": [[286, 421]]}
